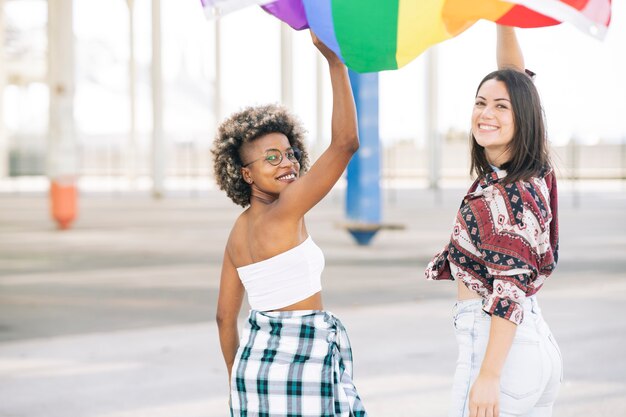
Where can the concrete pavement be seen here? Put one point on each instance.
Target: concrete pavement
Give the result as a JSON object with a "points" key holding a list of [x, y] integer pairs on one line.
{"points": [[115, 317]]}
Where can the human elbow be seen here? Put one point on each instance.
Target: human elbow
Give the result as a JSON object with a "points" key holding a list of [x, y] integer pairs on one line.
{"points": [[224, 319], [352, 145]]}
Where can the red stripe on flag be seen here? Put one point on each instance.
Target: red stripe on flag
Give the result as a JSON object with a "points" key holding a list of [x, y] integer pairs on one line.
{"points": [[523, 17], [577, 4]]}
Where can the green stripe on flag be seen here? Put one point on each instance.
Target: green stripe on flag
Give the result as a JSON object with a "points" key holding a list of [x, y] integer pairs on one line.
{"points": [[367, 33]]}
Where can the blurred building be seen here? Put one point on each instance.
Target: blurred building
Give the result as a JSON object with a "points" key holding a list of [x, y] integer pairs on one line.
{"points": [[114, 86]]}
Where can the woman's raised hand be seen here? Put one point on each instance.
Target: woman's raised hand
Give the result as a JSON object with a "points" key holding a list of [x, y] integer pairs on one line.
{"points": [[330, 56]]}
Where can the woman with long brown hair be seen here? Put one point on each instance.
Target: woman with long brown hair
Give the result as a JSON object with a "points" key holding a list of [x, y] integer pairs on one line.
{"points": [[504, 245]]}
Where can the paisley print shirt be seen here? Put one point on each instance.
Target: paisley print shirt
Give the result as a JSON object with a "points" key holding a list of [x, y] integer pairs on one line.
{"points": [[504, 243]]}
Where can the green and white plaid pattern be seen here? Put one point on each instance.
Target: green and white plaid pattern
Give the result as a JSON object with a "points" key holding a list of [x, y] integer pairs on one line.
{"points": [[294, 364]]}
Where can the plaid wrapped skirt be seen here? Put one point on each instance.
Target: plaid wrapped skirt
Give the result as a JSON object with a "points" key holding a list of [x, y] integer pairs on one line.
{"points": [[294, 364]]}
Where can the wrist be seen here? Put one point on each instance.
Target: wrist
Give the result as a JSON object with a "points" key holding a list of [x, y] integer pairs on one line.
{"points": [[490, 372], [335, 63]]}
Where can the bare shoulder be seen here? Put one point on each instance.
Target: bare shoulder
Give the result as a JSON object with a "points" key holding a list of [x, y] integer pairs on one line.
{"points": [[259, 236], [236, 246]]}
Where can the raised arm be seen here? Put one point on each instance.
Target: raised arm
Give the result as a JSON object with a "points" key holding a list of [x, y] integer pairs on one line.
{"points": [[508, 51], [305, 193], [344, 131]]}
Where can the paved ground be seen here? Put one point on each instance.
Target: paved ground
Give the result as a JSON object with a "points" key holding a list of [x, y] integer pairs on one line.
{"points": [[115, 317]]}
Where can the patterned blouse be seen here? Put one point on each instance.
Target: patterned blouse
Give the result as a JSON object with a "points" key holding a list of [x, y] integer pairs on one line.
{"points": [[504, 243]]}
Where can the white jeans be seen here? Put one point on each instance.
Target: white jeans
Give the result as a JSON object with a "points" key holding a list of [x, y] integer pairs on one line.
{"points": [[533, 370]]}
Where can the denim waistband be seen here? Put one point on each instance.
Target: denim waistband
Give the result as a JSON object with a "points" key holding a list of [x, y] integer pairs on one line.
{"points": [[462, 306]]}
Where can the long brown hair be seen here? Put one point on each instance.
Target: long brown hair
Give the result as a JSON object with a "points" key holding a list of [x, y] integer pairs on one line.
{"points": [[529, 146]]}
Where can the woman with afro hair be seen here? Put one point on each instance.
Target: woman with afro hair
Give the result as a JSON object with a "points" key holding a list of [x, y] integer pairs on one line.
{"points": [[293, 358]]}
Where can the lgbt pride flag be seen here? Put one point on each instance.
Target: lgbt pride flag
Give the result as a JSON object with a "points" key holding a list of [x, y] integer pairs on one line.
{"points": [[375, 35]]}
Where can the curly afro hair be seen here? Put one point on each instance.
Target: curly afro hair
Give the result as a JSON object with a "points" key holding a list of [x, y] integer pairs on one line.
{"points": [[244, 127]]}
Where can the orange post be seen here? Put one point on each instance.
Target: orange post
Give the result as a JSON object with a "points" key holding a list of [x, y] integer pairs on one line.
{"points": [[63, 202]]}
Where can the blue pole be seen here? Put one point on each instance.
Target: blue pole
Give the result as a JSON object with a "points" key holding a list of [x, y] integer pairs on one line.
{"points": [[363, 191]]}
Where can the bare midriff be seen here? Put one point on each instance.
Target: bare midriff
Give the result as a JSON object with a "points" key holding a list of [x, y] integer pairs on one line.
{"points": [[464, 293], [313, 302]]}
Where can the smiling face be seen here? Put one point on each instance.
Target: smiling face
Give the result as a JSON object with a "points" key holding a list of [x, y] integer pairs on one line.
{"points": [[493, 123], [259, 171]]}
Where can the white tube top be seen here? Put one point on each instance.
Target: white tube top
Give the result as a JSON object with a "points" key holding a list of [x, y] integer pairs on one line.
{"points": [[284, 279]]}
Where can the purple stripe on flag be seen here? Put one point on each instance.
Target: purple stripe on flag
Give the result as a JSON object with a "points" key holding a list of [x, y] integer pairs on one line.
{"points": [[320, 15], [290, 12]]}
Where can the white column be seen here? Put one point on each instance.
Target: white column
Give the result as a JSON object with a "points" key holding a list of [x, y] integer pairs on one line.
{"points": [[286, 66], [4, 147], [132, 148], [62, 147], [158, 145], [432, 102], [217, 87]]}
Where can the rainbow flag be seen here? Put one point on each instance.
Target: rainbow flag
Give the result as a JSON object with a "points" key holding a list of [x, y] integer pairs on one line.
{"points": [[376, 35]]}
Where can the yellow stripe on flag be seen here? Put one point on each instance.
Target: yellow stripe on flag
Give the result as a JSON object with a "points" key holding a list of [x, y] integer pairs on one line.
{"points": [[459, 12], [419, 27]]}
